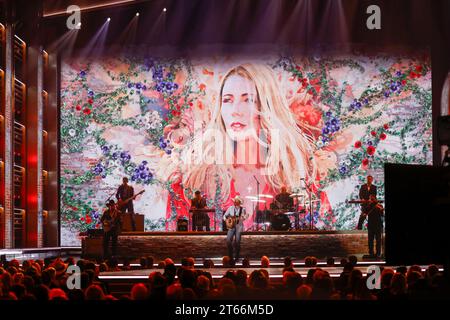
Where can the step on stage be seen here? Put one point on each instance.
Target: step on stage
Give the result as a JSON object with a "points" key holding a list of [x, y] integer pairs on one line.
{"points": [[176, 245]]}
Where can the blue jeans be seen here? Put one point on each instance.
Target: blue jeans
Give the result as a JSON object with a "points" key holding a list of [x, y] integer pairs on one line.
{"points": [[236, 234]]}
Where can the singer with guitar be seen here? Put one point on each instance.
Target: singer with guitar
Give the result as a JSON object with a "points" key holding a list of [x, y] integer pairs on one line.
{"points": [[124, 195], [234, 219]]}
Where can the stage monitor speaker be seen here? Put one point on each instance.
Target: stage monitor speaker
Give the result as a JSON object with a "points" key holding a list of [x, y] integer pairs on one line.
{"points": [[95, 233], [182, 225], [417, 214], [443, 130], [126, 222]]}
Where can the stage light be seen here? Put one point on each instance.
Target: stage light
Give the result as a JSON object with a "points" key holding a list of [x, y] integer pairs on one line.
{"points": [[79, 24], [109, 19], [164, 9], [137, 14]]}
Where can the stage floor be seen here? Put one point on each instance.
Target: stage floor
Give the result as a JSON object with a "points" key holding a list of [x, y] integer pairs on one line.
{"points": [[201, 245]]}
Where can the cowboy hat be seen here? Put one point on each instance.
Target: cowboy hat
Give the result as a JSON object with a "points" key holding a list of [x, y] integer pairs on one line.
{"points": [[237, 198]]}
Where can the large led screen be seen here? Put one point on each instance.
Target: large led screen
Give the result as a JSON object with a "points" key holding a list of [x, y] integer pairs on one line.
{"points": [[317, 125]]}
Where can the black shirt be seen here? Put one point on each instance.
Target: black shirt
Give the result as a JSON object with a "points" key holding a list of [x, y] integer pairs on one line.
{"points": [[374, 220], [285, 200], [198, 203], [124, 192], [365, 193]]}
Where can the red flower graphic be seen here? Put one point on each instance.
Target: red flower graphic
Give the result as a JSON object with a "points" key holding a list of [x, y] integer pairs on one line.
{"points": [[90, 101], [370, 150], [373, 133], [305, 111], [78, 107], [358, 144], [382, 136], [365, 162], [87, 111], [386, 126]]}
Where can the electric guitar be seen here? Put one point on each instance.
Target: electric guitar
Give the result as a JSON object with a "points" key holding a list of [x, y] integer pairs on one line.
{"points": [[122, 203]]}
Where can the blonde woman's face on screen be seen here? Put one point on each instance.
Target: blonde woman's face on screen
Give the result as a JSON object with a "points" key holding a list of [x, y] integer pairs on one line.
{"points": [[239, 107]]}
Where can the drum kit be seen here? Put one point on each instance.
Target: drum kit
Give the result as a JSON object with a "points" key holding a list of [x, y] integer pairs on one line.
{"points": [[278, 218]]}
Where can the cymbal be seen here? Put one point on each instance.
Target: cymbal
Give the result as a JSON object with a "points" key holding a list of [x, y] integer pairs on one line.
{"points": [[266, 196], [256, 200]]}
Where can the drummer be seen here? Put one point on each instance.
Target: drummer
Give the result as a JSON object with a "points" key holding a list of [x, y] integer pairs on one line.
{"points": [[283, 200]]}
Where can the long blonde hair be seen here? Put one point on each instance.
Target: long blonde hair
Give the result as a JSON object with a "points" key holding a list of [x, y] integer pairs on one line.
{"points": [[295, 160]]}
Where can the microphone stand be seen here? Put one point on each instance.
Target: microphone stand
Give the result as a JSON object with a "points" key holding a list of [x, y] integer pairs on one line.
{"points": [[310, 207], [257, 199]]}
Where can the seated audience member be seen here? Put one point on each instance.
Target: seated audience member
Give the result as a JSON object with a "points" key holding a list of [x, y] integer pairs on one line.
{"points": [[191, 262], [431, 271], [227, 289], [203, 286], [402, 270], [385, 284], [170, 271], [246, 263], [353, 260], [143, 262], [330, 261], [94, 292], [354, 282], [187, 278], [168, 261], [76, 295], [265, 262], [139, 292], [42, 293], [157, 286], [398, 286], [304, 292], [208, 263], [413, 277], [226, 262], [189, 294], [291, 281], [150, 261], [323, 287], [57, 294], [184, 262], [174, 292], [287, 262]]}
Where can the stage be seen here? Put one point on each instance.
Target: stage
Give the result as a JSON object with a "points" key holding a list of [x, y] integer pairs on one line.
{"points": [[200, 245]]}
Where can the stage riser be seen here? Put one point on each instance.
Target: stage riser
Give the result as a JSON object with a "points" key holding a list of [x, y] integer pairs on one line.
{"points": [[253, 246]]}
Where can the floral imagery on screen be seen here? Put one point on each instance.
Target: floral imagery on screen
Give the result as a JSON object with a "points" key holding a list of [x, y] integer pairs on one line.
{"points": [[137, 117]]}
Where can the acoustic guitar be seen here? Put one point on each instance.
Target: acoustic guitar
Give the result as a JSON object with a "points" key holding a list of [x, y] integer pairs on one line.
{"points": [[231, 222]]}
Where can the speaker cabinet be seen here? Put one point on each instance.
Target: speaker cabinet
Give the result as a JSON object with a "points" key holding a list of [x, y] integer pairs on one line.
{"points": [[126, 222]]}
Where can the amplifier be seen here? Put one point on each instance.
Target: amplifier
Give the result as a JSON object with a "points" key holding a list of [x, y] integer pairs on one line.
{"points": [[182, 225], [95, 233]]}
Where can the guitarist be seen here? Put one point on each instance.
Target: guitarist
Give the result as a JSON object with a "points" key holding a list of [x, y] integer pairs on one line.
{"points": [[124, 193], [365, 192], [111, 228], [234, 218]]}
